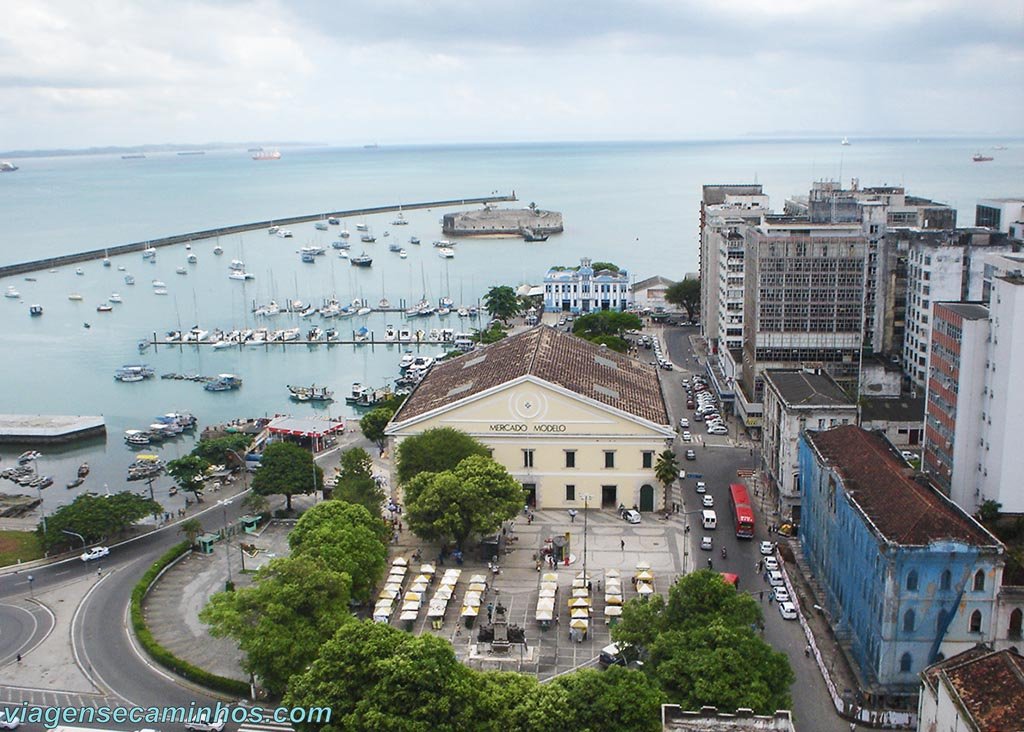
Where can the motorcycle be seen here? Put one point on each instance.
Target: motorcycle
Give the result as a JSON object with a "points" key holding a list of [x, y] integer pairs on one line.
{"points": [[723, 552]]}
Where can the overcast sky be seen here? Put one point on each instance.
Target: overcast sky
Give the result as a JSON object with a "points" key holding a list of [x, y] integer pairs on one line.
{"points": [[76, 73]]}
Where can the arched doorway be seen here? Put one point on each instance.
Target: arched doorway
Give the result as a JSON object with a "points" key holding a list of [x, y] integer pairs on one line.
{"points": [[646, 497]]}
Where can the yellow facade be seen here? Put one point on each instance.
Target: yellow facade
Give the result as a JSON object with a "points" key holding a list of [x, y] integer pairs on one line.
{"points": [[566, 449]]}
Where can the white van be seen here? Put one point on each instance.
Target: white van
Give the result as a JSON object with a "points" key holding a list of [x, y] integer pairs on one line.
{"points": [[709, 519]]}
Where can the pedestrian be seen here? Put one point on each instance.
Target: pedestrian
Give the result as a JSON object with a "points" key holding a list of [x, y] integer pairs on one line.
{"points": [[807, 650], [590, 587], [490, 611], [622, 544], [599, 586], [853, 726], [572, 515], [19, 658]]}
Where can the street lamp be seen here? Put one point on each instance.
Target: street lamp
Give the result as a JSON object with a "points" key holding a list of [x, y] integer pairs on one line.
{"points": [[586, 513], [72, 533], [227, 542]]}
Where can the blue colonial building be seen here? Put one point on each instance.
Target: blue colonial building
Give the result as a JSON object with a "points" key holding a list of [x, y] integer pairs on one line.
{"points": [[908, 578], [584, 290]]}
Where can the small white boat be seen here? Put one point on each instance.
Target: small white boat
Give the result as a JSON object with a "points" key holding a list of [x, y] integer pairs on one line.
{"points": [[362, 227], [79, 271], [221, 344], [344, 234], [402, 254], [273, 230], [160, 291], [75, 297], [129, 279], [218, 250], [115, 298], [12, 292], [239, 274], [237, 265], [284, 234], [106, 261], [149, 253], [181, 271], [414, 240], [446, 252], [343, 254], [158, 283], [364, 311], [192, 259], [121, 268], [320, 225]]}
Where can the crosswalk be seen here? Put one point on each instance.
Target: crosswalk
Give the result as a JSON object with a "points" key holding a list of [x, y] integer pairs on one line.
{"points": [[265, 727], [45, 698]]}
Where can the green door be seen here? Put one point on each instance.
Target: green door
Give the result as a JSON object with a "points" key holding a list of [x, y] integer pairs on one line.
{"points": [[647, 497]]}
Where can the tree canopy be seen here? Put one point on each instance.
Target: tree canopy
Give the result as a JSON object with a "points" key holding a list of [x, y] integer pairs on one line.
{"points": [[605, 323], [435, 450], [287, 469], [348, 539], [96, 517], [373, 424], [489, 335], [598, 266], [225, 450], [296, 604], [615, 699], [188, 472], [502, 302], [685, 294], [703, 649], [474, 497]]}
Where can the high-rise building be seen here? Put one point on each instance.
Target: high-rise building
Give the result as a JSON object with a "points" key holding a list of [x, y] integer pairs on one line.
{"points": [[999, 213]]}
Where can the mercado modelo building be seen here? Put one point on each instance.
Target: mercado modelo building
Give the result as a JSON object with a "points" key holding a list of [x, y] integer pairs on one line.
{"points": [[574, 422]]}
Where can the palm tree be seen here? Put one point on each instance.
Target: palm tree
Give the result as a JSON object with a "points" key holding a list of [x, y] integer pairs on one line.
{"points": [[192, 529], [666, 470]]}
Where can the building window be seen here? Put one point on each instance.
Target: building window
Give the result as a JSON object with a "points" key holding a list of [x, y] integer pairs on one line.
{"points": [[912, 581], [905, 661], [609, 458], [648, 459], [527, 458], [570, 458], [979, 580], [570, 493], [1015, 624], [947, 580], [908, 621], [976, 621]]}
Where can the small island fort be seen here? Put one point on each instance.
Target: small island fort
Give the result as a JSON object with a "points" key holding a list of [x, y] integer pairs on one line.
{"points": [[490, 220]]}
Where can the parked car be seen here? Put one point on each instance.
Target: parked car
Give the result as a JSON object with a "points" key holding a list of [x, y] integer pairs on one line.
{"points": [[781, 594], [719, 430], [767, 548], [775, 578], [97, 552], [9, 719], [787, 610], [708, 500], [691, 455], [684, 423], [702, 487], [771, 564], [631, 516], [705, 543]]}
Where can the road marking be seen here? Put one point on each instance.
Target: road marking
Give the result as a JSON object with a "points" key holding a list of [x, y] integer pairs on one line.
{"points": [[94, 678]]}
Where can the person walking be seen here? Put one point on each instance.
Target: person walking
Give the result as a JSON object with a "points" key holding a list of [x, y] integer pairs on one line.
{"points": [[622, 544]]}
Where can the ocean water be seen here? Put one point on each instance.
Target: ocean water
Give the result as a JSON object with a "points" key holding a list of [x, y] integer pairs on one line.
{"points": [[635, 204]]}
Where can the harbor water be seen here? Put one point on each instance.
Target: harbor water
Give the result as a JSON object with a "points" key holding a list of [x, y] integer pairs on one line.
{"points": [[635, 204]]}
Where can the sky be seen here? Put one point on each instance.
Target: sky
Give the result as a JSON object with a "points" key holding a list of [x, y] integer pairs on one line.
{"points": [[80, 73]]}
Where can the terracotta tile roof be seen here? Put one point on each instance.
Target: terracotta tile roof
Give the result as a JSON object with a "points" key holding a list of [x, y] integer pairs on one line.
{"points": [[904, 511], [990, 689], [558, 358]]}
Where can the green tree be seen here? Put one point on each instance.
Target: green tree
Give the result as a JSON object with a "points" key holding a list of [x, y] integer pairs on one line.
{"points": [[489, 335], [96, 517], [720, 665], [612, 700], [598, 266], [642, 621], [348, 539], [255, 504], [373, 424], [435, 450], [474, 497], [192, 529], [375, 677], [702, 596], [188, 473], [685, 294], [224, 450], [988, 513], [280, 622], [605, 323], [666, 470], [501, 303], [356, 463], [286, 470]]}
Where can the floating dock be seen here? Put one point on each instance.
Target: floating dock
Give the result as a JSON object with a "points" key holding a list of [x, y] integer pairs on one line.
{"points": [[48, 428]]}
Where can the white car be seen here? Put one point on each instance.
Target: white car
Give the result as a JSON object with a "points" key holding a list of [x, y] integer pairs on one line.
{"points": [[708, 500], [202, 723], [631, 516], [687, 437], [775, 579], [767, 548], [718, 431], [702, 487], [97, 552], [781, 594], [8, 720], [684, 423], [771, 564], [787, 610], [705, 543]]}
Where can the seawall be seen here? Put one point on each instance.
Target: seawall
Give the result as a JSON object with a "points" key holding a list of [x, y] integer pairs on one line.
{"points": [[50, 262]]}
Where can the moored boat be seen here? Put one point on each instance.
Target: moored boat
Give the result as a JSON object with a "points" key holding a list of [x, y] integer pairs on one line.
{"points": [[363, 260]]}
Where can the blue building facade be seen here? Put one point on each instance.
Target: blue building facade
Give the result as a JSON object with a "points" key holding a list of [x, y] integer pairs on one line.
{"points": [[908, 577], [581, 290]]}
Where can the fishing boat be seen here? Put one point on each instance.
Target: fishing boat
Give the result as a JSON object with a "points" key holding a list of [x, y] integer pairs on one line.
{"points": [[313, 249], [363, 260], [368, 238], [333, 221], [224, 382], [531, 235], [134, 372], [399, 220], [394, 247], [7, 167], [362, 227], [218, 250], [28, 456], [312, 393], [192, 259], [104, 308], [83, 470], [35, 310], [115, 298], [75, 297], [446, 252], [414, 240], [136, 437], [979, 158], [75, 483], [266, 155], [308, 258], [443, 243], [129, 280], [340, 244]]}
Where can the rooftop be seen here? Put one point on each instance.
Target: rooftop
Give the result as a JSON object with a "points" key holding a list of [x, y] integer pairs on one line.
{"points": [[892, 409], [651, 281], [987, 685], [714, 194], [800, 388], [967, 310], [305, 426], [555, 357], [903, 510]]}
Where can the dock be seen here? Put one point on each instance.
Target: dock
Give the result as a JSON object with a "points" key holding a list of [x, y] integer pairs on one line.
{"points": [[48, 428], [114, 250]]}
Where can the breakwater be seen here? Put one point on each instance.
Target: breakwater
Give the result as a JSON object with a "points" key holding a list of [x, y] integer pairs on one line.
{"points": [[51, 262]]}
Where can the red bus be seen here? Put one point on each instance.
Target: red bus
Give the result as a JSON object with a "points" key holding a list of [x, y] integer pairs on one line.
{"points": [[742, 511]]}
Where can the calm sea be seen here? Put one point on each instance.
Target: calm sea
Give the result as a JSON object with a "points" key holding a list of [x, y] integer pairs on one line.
{"points": [[635, 204]]}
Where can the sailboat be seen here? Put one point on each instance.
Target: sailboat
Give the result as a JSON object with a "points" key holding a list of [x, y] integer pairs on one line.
{"points": [[845, 141]]}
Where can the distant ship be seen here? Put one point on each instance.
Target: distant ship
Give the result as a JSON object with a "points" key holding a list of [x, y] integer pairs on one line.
{"points": [[6, 167], [193, 152], [137, 156], [371, 146], [979, 158], [266, 155]]}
